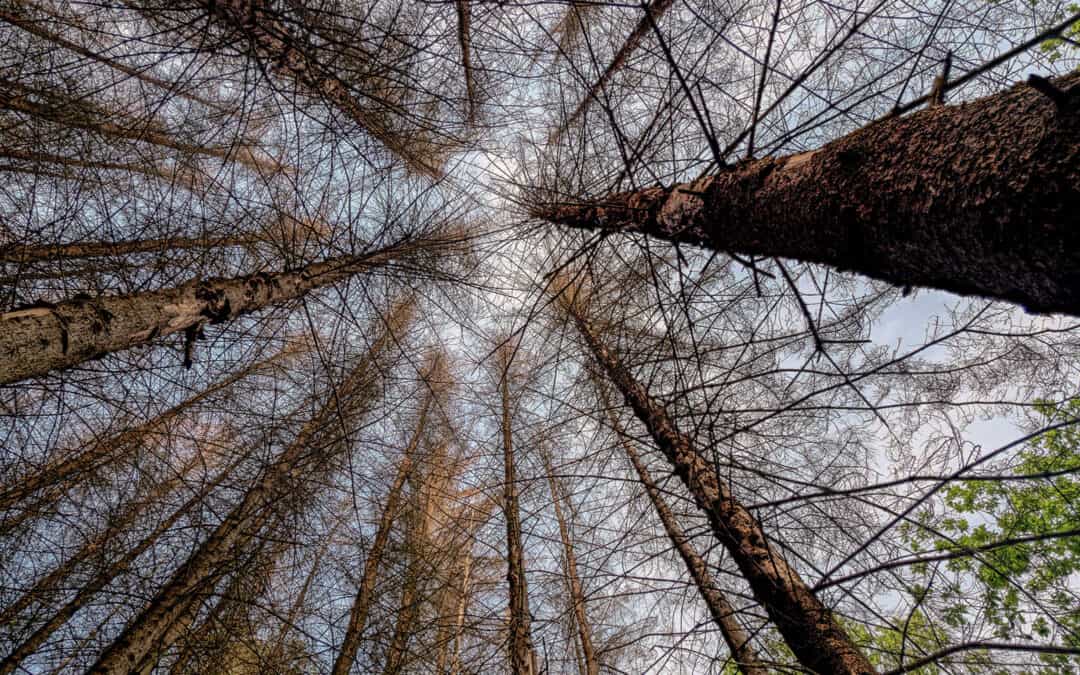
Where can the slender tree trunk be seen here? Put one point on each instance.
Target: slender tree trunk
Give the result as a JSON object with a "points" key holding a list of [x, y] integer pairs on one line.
{"points": [[743, 653], [808, 627], [173, 176], [978, 199], [55, 477], [522, 654], [105, 577], [74, 113], [36, 340], [96, 249], [577, 594], [656, 9], [465, 43], [47, 585], [273, 45], [278, 487], [366, 590], [32, 25]]}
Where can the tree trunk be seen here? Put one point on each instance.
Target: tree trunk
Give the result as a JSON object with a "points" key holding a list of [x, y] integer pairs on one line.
{"points": [[366, 590], [105, 577], [47, 585], [743, 653], [36, 340], [979, 198], [522, 654], [808, 627], [464, 43], [34, 26], [78, 114], [273, 44], [577, 594], [278, 487], [95, 249], [55, 476], [174, 176], [654, 10]]}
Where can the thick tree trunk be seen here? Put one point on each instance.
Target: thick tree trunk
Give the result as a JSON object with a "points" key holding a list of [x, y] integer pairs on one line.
{"points": [[105, 577], [808, 627], [36, 340], [577, 594], [979, 198], [366, 591], [743, 653], [278, 488], [522, 655], [274, 45]]}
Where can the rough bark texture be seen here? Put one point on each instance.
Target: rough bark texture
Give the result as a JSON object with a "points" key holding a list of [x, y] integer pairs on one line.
{"points": [[577, 593], [979, 198], [366, 591], [464, 42], [272, 43], [808, 627], [522, 655], [278, 487], [35, 340], [738, 641]]}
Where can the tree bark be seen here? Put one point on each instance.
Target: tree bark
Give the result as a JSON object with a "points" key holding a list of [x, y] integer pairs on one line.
{"points": [[977, 199], [808, 627], [36, 340], [78, 114], [522, 654], [577, 594], [97, 249], [277, 488], [743, 653]]}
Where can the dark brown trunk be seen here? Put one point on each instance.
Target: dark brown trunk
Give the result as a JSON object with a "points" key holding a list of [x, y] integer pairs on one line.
{"points": [[522, 654], [738, 641], [978, 199], [464, 42], [807, 626]]}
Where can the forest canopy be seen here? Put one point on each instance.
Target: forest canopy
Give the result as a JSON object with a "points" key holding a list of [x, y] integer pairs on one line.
{"points": [[460, 337]]}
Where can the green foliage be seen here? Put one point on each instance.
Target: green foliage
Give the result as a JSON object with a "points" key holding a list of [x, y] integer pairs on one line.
{"points": [[1056, 47], [914, 636], [1046, 501]]}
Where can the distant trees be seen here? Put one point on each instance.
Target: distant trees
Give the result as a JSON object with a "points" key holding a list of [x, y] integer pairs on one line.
{"points": [[399, 337]]}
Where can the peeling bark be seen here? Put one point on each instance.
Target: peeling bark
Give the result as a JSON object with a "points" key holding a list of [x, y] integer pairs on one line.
{"points": [[979, 198], [36, 340], [808, 627]]}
